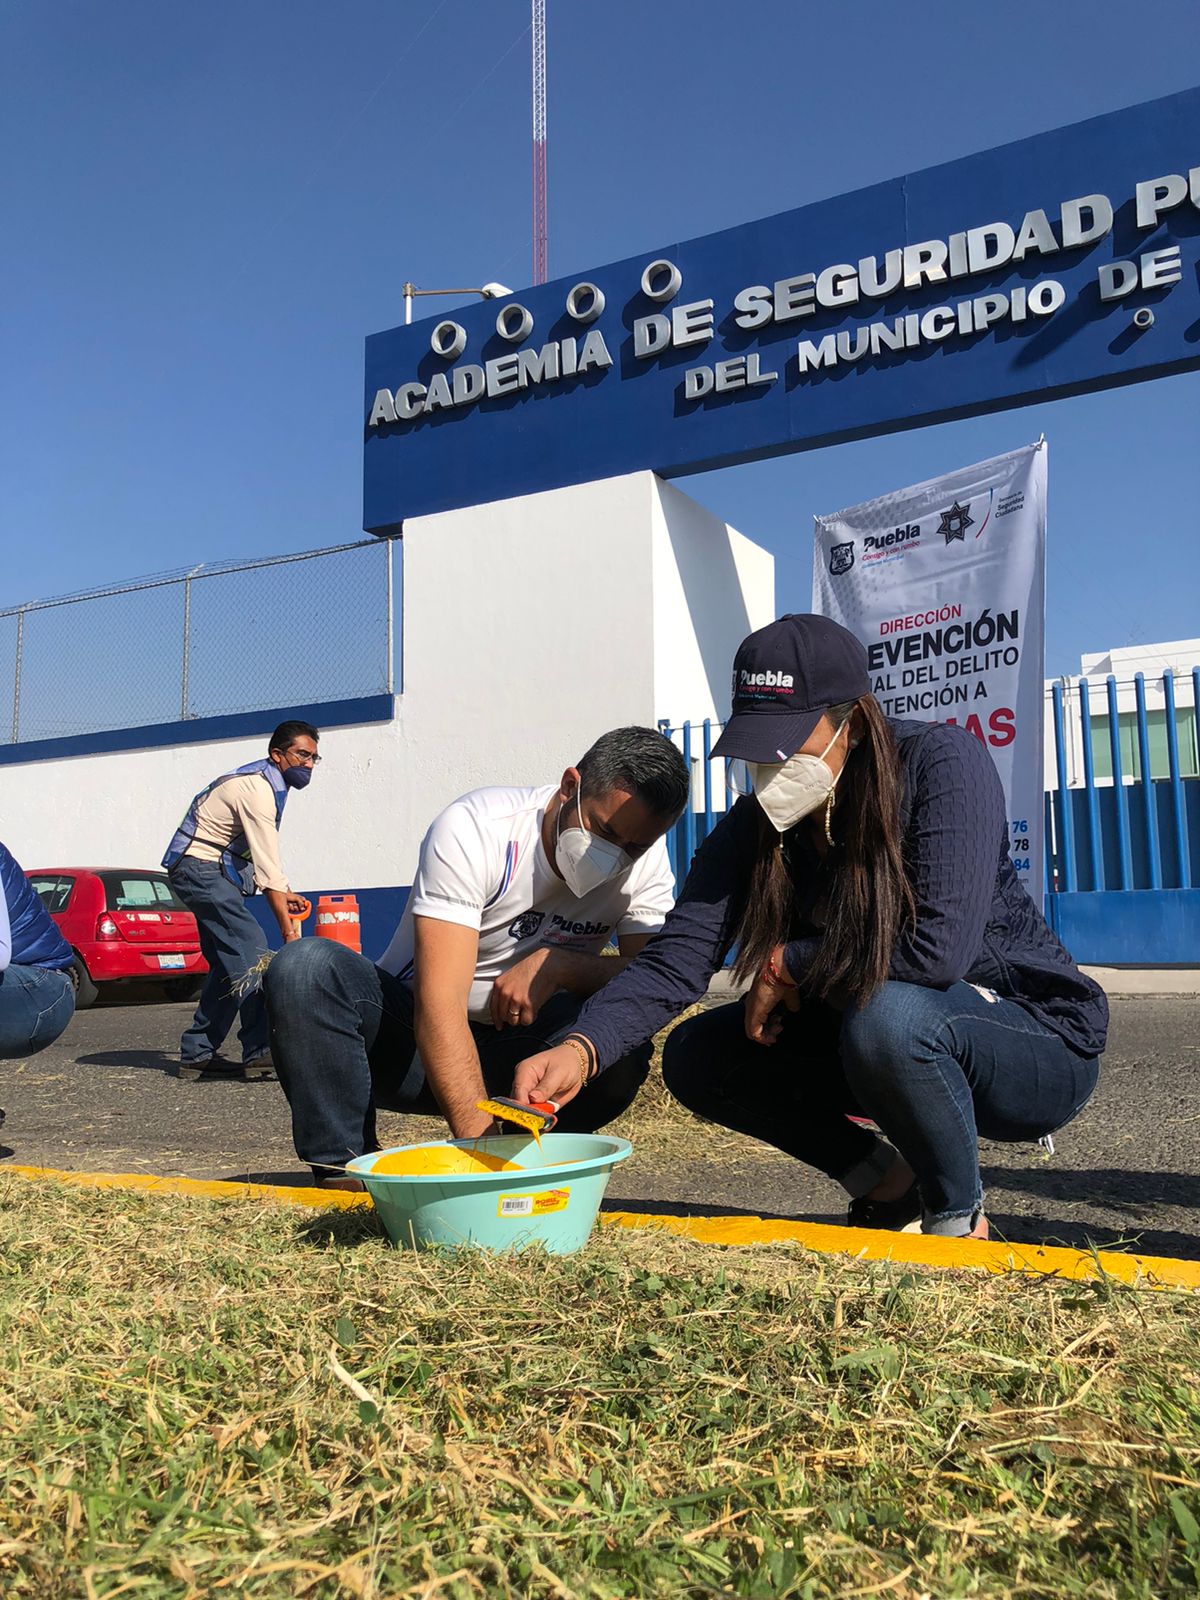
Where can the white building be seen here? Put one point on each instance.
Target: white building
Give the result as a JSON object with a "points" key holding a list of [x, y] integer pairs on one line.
{"points": [[530, 626], [1180, 659]]}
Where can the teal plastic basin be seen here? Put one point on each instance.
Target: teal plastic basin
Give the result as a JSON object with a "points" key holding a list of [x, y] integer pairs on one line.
{"points": [[545, 1203]]}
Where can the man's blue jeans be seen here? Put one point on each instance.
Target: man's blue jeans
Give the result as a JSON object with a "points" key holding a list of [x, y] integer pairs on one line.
{"points": [[233, 944], [36, 1003], [933, 1069], [343, 1043]]}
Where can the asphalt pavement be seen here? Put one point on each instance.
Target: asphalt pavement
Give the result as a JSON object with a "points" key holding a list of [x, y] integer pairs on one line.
{"points": [[1125, 1174]]}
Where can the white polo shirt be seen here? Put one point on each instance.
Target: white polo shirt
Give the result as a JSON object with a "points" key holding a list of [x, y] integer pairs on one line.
{"points": [[483, 866]]}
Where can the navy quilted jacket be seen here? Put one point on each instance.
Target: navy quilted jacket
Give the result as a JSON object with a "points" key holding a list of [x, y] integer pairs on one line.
{"points": [[974, 920]]}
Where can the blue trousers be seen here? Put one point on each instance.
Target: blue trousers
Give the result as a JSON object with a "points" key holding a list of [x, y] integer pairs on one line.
{"points": [[36, 1003], [933, 1069], [342, 1041], [232, 943]]}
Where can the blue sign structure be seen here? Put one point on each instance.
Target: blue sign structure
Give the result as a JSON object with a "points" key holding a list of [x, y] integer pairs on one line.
{"points": [[1064, 263]]}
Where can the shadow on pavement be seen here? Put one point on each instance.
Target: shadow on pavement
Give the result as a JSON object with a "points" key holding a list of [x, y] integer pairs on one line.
{"points": [[704, 1208], [167, 1062], [1118, 1187], [152, 1060], [1083, 1235], [297, 1178]]}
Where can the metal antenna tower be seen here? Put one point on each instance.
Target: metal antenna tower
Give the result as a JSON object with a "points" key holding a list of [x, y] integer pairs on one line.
{"points": [[540, 226]]}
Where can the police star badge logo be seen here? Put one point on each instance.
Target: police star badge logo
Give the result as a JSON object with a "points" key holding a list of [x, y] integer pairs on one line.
{"points": [[956, 521], [841, 558]]}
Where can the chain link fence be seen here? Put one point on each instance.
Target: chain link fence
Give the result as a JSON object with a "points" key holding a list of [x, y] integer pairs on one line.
{"points": [[209, 641]]}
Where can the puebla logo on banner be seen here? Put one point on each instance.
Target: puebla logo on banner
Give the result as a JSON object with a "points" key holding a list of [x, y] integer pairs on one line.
{"points": [[944, 583]]}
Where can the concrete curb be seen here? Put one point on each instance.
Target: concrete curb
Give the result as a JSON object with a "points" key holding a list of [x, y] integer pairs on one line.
{"points": [[863, 1244], [1122, 982]]}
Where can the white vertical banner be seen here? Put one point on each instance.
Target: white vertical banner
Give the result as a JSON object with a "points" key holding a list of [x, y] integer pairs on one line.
{"points": [[945, 585]]}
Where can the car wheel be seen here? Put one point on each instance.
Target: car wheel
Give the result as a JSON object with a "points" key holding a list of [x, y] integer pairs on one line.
{"points": [[183, 988], [86, 991]]}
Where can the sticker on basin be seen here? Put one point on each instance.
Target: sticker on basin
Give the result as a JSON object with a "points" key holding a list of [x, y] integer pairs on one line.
{"points": [[444, 1160], [533, 1205]]}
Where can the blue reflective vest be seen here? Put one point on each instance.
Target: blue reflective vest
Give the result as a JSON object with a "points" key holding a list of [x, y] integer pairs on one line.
{"points": [[235, 857], [36, 941]]}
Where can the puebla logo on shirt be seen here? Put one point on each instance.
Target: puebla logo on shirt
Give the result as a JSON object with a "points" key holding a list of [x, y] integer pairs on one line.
{"points": [[526, 925]]}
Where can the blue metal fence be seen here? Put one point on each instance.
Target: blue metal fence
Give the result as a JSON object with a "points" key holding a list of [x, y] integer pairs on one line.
{"points": [[1122, 860]]}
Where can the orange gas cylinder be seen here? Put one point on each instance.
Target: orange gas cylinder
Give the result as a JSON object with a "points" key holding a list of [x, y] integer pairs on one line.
{"points": [[337, 918]]}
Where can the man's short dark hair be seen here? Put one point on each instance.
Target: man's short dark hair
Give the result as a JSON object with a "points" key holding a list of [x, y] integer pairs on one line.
{"points": [[643, 762], [287, 733]]}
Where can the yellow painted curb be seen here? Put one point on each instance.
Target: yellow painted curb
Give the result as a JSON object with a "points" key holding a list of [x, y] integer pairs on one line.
{"points": [[865, 1244], [208, 1189], [923, 1249]]}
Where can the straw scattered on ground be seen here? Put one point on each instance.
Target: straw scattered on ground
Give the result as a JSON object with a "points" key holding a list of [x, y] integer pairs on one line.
{"points": [[232, 1398], [664, 1131]]}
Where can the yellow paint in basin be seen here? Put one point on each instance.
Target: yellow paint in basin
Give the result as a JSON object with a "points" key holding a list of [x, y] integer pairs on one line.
{"points": [[439, 1160]]}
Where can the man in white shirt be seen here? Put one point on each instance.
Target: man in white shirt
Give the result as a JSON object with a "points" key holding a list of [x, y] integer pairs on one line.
{"points": [[226, 848], [517, 892]]}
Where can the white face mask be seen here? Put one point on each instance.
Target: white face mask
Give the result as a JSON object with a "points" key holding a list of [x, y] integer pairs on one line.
{"points": [[585, 861], [792, 789]]}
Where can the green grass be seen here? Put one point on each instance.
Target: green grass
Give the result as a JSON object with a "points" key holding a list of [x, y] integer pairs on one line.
{"points": [[229, 1398]]}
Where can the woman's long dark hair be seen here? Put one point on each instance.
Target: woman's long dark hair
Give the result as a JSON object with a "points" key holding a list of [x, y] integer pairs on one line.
{"points": [[870, 900]]}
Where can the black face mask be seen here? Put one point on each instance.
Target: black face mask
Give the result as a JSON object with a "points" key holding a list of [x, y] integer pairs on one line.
{"points": [[297, 777]]}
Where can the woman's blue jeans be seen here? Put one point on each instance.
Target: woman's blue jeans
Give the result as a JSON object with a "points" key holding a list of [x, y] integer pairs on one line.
{"points": [[934, 1069], [36, 1003]]}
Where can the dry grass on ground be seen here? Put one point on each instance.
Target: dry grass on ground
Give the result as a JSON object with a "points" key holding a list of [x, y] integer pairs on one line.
{"points": [[230, 1398], [663, 1131]]}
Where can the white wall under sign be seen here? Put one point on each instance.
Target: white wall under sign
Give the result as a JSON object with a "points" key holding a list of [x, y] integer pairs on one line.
{"points": [[531, 625]]}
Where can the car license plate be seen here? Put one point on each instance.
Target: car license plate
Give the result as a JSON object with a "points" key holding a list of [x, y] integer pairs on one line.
{"points": [[172, 961]]}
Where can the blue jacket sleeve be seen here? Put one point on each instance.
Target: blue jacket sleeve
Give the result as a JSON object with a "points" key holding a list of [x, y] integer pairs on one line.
{"points": [[5, 930], [674, 968], [956, 832]]}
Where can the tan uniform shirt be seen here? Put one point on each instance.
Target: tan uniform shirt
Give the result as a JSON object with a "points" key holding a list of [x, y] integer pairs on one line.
{"points": [[244, 805]]}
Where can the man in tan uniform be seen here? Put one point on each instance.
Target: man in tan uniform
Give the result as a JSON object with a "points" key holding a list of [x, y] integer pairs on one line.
{"points": [[226, 848]]}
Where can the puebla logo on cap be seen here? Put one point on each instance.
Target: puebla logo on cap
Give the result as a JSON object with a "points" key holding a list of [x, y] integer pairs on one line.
{"points": [[762, 685]]}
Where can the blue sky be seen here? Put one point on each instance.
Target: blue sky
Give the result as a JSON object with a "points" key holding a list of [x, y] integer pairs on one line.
{"points": [[208, 208]]}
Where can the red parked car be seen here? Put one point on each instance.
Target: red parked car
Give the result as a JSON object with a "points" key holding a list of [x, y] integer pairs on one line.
{"points": [[122, 923]]}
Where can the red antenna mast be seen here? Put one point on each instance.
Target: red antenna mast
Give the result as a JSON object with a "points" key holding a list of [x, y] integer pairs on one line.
{"points": [[540, 225]]}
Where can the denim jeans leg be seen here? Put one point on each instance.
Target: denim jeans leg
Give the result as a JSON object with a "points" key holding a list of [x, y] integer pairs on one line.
{"points": [[936, 1068], [342, 1040], [36, 1003], [232, 943], [791, 1094]]}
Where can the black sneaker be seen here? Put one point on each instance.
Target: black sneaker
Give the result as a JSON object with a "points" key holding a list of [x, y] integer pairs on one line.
{"points": [[215, 1069], [902, 1215]]}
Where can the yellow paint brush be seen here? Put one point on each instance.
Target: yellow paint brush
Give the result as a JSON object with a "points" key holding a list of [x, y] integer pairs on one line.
{"points": [[537, 1118]]}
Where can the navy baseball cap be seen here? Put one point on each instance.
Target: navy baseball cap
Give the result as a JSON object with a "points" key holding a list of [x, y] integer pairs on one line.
{"points": [[785, 677]]}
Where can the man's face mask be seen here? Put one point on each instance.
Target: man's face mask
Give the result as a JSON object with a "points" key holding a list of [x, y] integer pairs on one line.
{"points": [[790, 790], [585, 861], [297, 777]]}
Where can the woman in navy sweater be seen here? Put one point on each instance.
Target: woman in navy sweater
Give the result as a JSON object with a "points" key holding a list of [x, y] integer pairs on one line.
{"points": [[899, 971]]}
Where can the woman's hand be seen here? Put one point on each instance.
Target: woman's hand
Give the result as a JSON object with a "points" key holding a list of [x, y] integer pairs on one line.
{"points": [[553, 1075], [772, 990]]}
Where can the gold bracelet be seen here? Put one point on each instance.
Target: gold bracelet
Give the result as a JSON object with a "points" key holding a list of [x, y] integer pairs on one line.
{"points": [[585, 1057]]}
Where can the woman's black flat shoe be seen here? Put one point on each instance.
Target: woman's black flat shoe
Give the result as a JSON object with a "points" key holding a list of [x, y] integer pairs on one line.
{"points": [[901, 1215]]}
